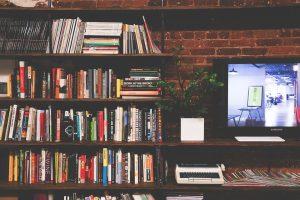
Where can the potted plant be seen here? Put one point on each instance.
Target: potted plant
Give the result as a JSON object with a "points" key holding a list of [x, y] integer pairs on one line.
{"points": [[188, 99]]}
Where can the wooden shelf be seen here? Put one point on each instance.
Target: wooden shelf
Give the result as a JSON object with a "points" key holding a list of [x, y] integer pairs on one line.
{"points": [[78, 101], [227, 143], [81, 55], [205, 188], [74, 186], [85, 144], [141, 187]]}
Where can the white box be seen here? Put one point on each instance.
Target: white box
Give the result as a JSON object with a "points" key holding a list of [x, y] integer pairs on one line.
{"points": [[192, 129]]}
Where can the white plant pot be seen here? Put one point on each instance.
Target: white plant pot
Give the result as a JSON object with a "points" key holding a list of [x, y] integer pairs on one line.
{"points": [[192, 129]]}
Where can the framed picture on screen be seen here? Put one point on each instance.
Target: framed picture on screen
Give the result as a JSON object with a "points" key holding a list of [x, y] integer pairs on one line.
{"points": [[255, 96]]}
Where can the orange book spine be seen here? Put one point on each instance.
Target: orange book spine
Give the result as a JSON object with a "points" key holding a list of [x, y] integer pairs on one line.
{"points": [[10, 166], [58, 76]]}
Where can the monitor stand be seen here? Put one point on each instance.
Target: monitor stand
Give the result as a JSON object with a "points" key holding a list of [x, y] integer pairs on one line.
{"points": [[259, 139]]}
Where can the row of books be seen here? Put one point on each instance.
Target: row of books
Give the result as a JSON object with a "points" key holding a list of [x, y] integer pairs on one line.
{"points": [[60, 83], [102, 37], [106, 167], [67, 35], [261, 177], [142, 83], [80, 196], [23, 35], [130, 124], [75, 36]]}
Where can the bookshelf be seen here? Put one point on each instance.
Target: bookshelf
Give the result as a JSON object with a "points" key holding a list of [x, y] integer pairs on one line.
{"points": [[161, 19]]}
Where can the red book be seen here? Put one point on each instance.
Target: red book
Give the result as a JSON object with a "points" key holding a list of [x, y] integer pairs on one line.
{"points": [[42, 125], [58, 120], [101, 125], [22, 78], [91, 170], [82, 161]]}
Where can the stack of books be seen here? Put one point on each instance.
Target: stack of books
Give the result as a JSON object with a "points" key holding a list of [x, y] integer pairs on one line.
{"points": [[141, 84], [261, 177], [137, 39], [127, 124], [102, 37], [105, 167], [23, 35], [67, 35]]}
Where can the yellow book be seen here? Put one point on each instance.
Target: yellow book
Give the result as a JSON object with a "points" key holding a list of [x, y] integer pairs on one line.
{"points": [[56, 166], [10, 166], [16, 167], [119, 85]]}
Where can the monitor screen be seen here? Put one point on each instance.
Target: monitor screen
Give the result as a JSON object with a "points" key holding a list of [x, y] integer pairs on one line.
{"points": [[263, 95]]}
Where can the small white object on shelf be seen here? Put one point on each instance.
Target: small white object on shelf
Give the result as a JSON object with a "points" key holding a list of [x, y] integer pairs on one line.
{"points": [[259, 139], [192, 129]]}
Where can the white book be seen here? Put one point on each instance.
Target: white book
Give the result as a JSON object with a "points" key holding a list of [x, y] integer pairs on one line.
{"points": [[2, 122], [8, 123], [259, 139], [43, 165], [128, 167], [116, 124], [109, 166], [136, 169], [105, 114], [29, 124], [104, 25], [96, 169], [96, 32], [133, 123], [119, 164], [12, 121]]}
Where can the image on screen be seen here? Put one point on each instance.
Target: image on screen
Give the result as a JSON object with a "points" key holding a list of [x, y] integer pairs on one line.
{"points": [[263, 95]]}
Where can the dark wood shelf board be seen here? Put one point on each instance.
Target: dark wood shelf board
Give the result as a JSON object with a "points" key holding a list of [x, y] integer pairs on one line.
{"points": [[81, 55], [224, 143], [77, 101], [84, 144], [141, 187], [74, 186]]}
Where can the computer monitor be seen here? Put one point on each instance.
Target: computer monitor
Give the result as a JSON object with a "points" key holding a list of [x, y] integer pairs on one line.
{"points": [[259, 97]]}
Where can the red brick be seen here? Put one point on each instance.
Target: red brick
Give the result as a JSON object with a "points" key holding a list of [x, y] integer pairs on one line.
{"points": [[188, 35], [296, 33], [241, 34], [265, 34], [242, 43], [111, 3], [284, 33], [254, 51], [175, 35], [156, 3], [281, 50], [291, 41], [268, 42], [213, 43], [203, 51], [188, 44], [223, 34], [228, 51], [200, 35], [211, 35]]}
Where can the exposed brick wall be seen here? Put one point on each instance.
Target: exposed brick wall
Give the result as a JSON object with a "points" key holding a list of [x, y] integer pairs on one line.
{"points": [[202, 46]]}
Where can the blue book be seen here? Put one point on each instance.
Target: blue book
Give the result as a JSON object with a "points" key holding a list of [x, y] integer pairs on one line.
{"points": [[105, 167]]}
